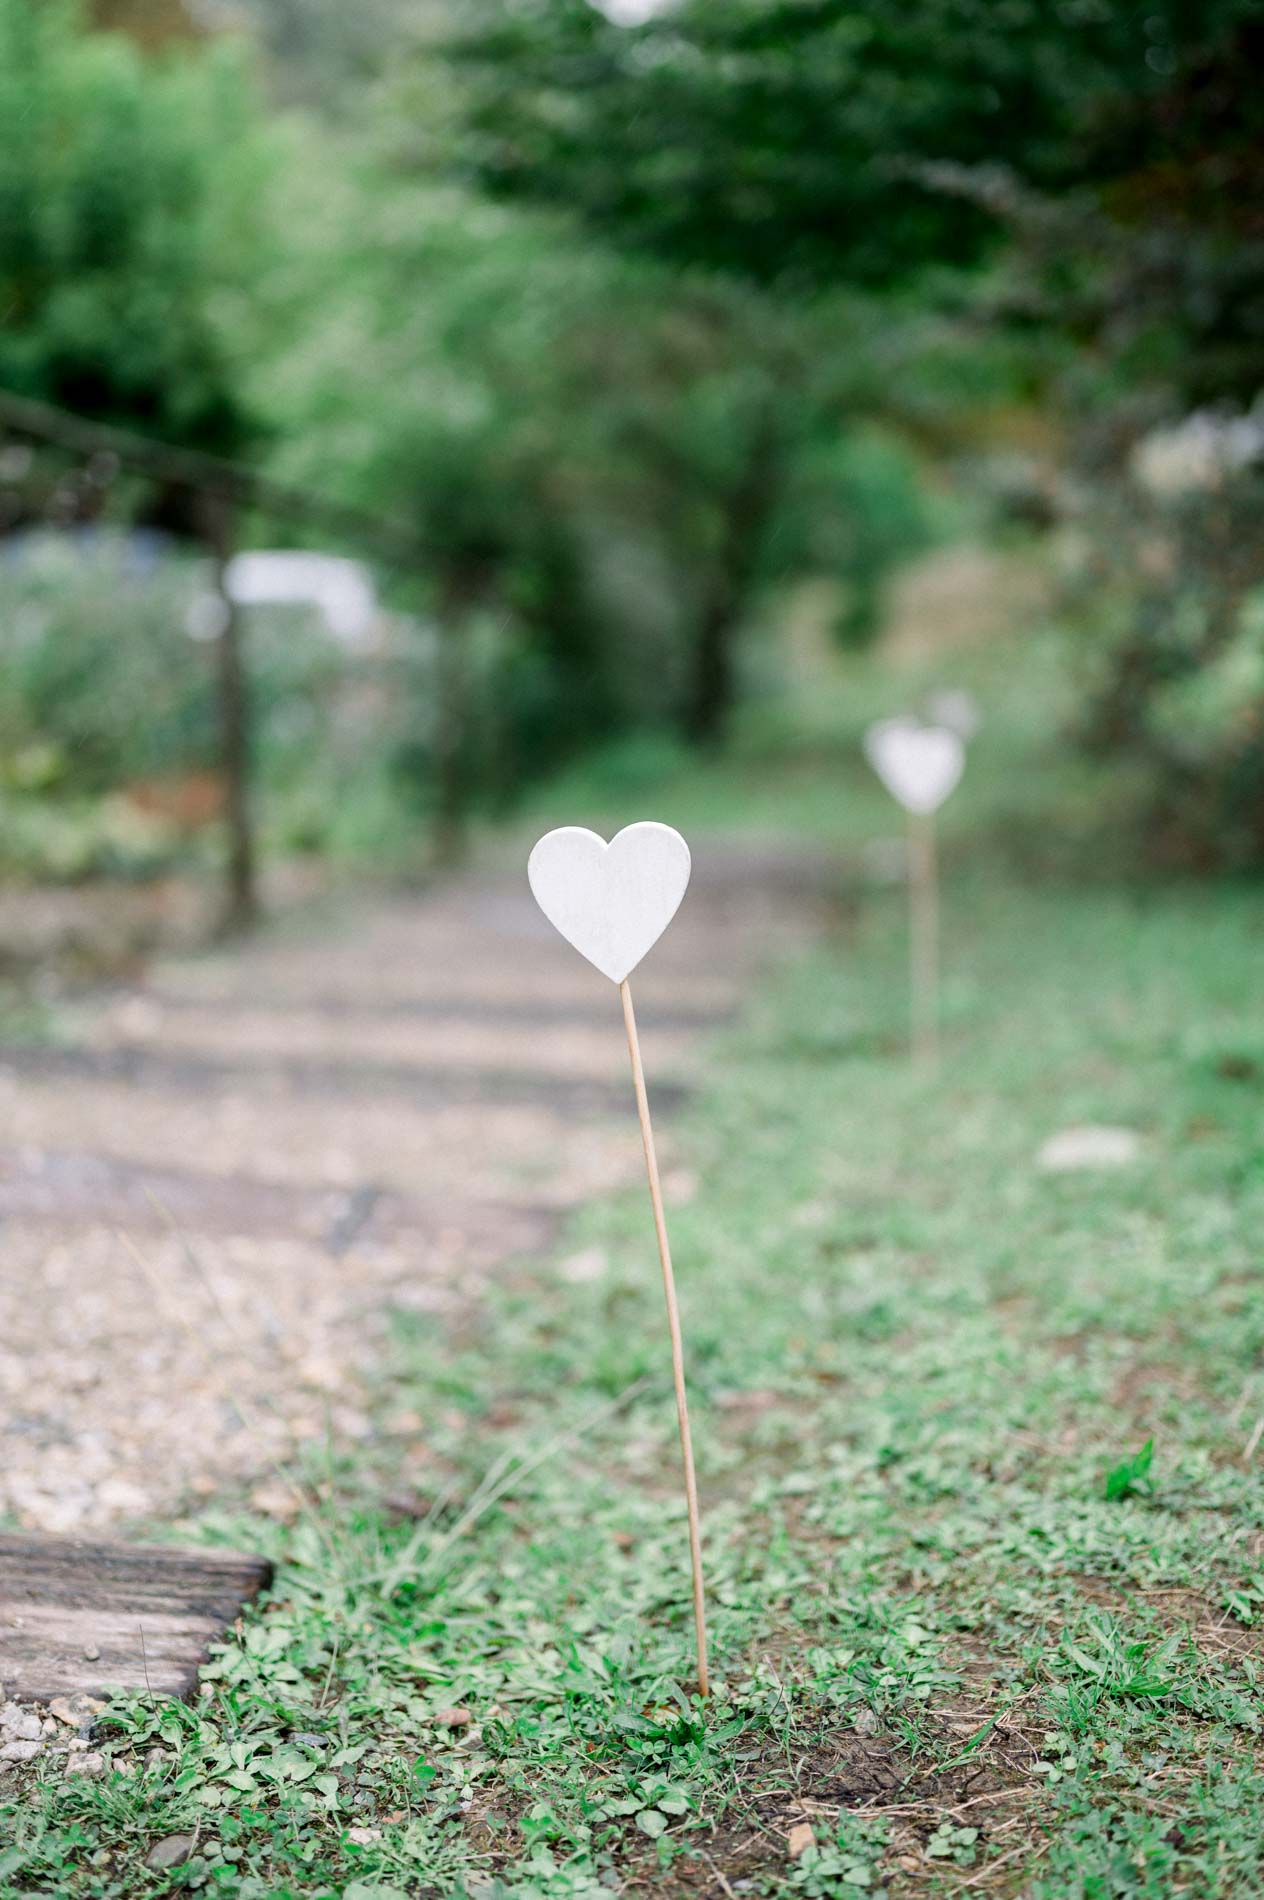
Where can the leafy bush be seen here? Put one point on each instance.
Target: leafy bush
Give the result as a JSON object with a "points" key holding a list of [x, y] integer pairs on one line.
{"points": [[99, 680], [1172, 599], [109, 724], [128, 216]]}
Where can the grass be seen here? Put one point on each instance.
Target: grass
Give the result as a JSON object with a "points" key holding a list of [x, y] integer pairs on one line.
{"points": [[977, 1443]]}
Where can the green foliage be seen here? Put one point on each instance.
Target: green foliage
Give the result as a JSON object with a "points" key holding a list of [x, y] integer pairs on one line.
{"points": [[844, 1867], [99, 680], [1169, 613], [1208, 1843], [802, 143], [125, 225], [1131, 1478], [324, 52], [1079, 183], [740, 258], [109, 722], [604, 472], [612, 470]]}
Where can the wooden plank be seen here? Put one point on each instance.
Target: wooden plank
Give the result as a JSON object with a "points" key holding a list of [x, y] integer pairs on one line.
{"points": [[82, 1616], [142, 1065], [74, 1187], [535, 1011]]}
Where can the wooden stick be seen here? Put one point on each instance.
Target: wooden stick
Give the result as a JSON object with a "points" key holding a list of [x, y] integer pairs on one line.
{"points": [[673, 1322], [241, 896], [923, 937]]}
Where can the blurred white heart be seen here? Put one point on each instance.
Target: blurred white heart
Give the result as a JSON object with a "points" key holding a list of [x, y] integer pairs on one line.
{"points": [[919, 765], [612, 902]]}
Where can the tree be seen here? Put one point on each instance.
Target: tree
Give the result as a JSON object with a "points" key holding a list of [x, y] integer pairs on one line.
{"points": [[125, 226], [423, 379], [613, 464], [731, 423], [790, 140]]}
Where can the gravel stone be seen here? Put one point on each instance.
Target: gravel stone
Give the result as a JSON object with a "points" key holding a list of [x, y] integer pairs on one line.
{"points": [[75, 1711], [90, 1764], [19, 1724]]}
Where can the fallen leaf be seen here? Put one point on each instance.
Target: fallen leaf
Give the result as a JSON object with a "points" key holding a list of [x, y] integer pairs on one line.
{"points": [[76, 1711], [800, 1838]]}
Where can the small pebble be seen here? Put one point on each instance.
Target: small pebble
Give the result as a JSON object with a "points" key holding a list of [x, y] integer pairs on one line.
{"points": [[1089, 1146], [275, 1500], [90, 1764], [76, 1711], [172, 1851], [800, 1838], [581, 1269], [21, 1751], [19, 1724]]}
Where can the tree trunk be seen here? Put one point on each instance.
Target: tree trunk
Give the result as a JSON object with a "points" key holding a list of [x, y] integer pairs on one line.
{"points": [[711, 686], [459, 593], [710, 693], [449, 830]]}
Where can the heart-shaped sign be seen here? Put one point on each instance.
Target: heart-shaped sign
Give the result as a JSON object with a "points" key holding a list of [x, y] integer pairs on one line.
{"points": [[613, 901], [919, 765]]}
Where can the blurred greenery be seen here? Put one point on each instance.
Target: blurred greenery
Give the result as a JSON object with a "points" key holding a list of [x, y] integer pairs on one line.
{"points": [[797, 141], [128, 234], [625, 322], [109, 724]]}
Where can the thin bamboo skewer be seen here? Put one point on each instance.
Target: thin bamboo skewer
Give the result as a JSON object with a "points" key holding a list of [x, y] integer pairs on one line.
{"points": [[673, 1322], [924, 936]]}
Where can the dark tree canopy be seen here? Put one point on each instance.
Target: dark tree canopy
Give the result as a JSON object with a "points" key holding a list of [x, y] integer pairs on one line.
{"points": [[789, 140], [127, 221]]}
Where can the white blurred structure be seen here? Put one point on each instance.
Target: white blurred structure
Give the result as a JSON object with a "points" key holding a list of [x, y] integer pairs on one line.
{"points": [[341, 591], [1199, 453], [632, 12]]}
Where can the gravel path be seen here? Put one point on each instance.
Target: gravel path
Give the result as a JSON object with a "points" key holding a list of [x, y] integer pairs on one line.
{"points": [[217, 1182]]}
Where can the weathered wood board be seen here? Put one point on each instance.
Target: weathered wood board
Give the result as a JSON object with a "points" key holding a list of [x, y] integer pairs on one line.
{"points": [[80, 1616]]}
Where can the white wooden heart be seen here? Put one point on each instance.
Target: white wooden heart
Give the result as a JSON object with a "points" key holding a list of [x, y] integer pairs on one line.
{"points": [[613, 901], [919, 765]]}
